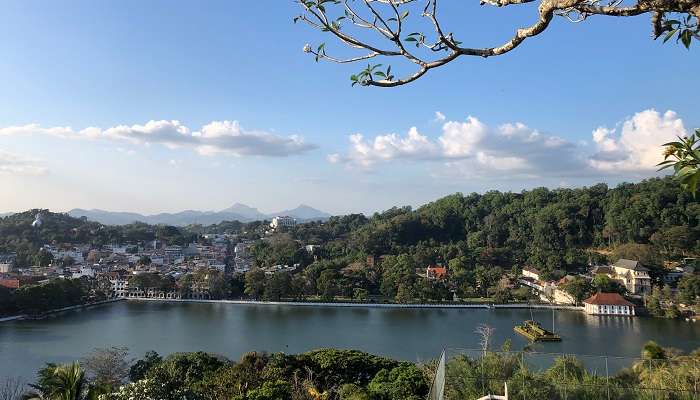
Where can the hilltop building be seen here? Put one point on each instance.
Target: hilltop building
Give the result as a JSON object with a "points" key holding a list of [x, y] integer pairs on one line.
{"points": [[283, 222], [632, 274]]}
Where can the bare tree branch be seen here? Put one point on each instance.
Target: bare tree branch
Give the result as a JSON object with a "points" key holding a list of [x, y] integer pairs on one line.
{"points": [[387, 18]]}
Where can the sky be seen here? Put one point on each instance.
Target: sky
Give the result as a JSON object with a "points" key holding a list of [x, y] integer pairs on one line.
{"points": [[167, 105]]}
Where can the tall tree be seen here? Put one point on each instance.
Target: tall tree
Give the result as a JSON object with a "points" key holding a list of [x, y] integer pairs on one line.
{"points": [[107, 366]]}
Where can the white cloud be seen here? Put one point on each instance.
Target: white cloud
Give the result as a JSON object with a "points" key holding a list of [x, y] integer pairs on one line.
{"points": [[168, 133], [473, 149], [469, 146], [334, 158], [638, 146], [217, 137], [440, 117], [228, 137], [501, 163], [366, 153], [13, 164], [61, 132], [459, 138]]}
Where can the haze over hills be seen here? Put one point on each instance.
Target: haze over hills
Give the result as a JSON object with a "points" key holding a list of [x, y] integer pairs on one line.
{"points": [[237, 212]]}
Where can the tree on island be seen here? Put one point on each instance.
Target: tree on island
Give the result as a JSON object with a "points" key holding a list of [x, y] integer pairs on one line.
{"points": [[412, 30]]}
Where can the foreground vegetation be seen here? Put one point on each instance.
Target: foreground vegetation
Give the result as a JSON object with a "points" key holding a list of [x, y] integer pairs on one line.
{"points": [[331, 374], [659, 374]]}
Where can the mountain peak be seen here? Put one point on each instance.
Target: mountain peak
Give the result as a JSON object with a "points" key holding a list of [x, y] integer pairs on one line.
{"points": [[304, 212], [239, 206], [244, 211]]}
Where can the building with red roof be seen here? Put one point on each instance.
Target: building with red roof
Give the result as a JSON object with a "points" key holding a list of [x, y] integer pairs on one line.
{"points": [[436, 272], [608, 304], [10, 283]]}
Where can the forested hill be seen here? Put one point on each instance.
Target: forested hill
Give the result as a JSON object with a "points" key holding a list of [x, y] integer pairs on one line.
{"points": [[542, 227]]}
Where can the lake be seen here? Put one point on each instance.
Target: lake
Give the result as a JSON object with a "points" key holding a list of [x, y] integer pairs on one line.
{"points": [[232, 329]]}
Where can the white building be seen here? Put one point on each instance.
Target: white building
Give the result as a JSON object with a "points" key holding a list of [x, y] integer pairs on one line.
{"points": [[312, 248], [633, 276], [120, 287], [84, 271], [116, 249], [608, 304], [283, 222], [530, 272], [173, 252]]}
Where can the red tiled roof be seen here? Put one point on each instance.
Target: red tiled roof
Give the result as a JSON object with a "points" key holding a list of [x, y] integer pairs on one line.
{"points": [[608, 299], [436, 271], [10, 283]]}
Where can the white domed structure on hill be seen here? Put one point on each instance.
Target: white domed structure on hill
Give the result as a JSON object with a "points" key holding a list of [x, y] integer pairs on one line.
{"points": [[38, 221]]}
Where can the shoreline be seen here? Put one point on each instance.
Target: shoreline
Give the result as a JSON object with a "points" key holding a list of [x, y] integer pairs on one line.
{"points": [[43, 315], [24, 317], [363, 305]]}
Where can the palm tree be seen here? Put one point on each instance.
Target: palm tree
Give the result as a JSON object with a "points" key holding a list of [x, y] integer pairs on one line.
{"points": [[61, 382], [70, 381]]}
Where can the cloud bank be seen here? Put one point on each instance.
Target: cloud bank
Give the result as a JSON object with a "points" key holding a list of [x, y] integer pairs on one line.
{"points": [[473, 149], [13, 164], [217, 137]]}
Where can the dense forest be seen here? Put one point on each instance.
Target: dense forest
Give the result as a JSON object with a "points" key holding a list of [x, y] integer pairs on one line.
{"points": [[483, 237], [541, 227]]}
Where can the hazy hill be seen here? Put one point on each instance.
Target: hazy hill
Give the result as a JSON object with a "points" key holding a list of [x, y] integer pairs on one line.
{"points": [[246, 212], [304, 212], [237, 212]]}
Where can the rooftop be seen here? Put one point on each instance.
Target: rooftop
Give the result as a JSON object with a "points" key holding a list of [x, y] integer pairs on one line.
{"points": [[608, 299], [630, 264]]}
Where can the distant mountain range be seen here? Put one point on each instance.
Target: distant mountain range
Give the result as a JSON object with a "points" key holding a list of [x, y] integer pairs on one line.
{"points": [[237, 212]]}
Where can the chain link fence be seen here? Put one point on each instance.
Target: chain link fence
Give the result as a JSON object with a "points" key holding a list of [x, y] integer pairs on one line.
{"points": [[465, 374]]}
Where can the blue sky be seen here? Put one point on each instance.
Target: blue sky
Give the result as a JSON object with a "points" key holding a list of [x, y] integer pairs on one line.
{"points": [[530, 118]]}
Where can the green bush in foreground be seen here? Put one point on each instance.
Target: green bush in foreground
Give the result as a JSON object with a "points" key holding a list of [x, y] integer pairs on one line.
{"points": [[332, 374]]}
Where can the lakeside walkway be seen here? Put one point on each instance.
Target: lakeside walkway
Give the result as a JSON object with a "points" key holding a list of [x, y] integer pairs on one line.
{"points": [[296, 304], [362, 305]]}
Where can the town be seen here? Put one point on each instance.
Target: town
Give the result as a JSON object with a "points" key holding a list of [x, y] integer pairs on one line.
{"points": [[270, 261]]}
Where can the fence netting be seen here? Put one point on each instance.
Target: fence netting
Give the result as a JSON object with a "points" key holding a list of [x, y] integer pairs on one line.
{"points": [[465, 374]]}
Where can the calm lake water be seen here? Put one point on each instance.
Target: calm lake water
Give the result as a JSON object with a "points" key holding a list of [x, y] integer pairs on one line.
{"points": [[230, 330]]}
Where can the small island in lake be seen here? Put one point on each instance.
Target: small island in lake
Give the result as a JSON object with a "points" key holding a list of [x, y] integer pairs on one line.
{"points": [[535, 332]]}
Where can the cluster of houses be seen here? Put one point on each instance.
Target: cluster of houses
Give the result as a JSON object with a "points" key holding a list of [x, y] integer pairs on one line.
{"points": [[631, 274], [110, 267], [275, 269], [243, 260]]}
